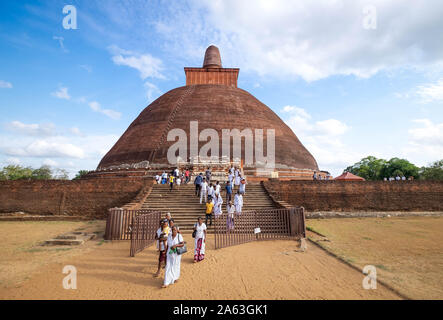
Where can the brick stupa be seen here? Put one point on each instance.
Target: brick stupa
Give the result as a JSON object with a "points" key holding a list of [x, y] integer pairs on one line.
{"points": [[212, 98]]}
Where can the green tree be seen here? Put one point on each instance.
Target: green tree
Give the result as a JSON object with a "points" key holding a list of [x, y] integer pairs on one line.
{"points": [[42, 173], [433, 171], [16, 172], [81, 174], [369, 168], [61, 174], [400, 167]]}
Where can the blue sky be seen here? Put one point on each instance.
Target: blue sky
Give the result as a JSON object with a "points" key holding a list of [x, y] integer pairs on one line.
{"points": [[346, 90]]}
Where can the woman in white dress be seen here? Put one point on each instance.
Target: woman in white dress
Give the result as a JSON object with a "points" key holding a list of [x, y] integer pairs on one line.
{"points": [[237, 177], [218, 201], [173, 260], [200, 239], [238, 202]]}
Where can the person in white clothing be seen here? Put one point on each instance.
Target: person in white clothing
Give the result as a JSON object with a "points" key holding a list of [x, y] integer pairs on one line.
{"points": [[218, 201], [161, 246], [204, 191], [173, 260], [231, 180], [217, 188], [178, 181], [200, 240], [238, 202], [230, 219], [211, 191], [242, 188], [237, 177]]}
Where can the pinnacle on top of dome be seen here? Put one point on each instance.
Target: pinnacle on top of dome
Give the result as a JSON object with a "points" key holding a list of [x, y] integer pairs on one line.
{"points": [[212, 58]]}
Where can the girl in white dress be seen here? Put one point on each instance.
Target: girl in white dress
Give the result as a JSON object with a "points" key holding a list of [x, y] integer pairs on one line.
{"points": [[173, 260], [200, 239]]}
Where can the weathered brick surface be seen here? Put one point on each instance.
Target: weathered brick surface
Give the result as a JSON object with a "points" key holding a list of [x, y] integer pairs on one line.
{"points": [[90, 197], [360, 195], [214, 107]]}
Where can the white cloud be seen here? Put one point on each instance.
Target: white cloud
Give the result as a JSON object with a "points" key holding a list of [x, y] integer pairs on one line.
{"points": [[13, 161], [95, 106], [50, 162], [46, 148], [323, 139], [32, 129], [431, 92], [62, 93], [425, 142], [61, 43], [86, 67], [152, 90], [5, 85], [428, 134], [146, 64], [310, 39], [76, 131]]}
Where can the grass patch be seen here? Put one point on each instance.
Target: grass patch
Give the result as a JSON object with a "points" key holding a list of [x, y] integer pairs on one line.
{"points": [[101, 242], [382, 267], [366, 238], [31, 250], [63, 249]]}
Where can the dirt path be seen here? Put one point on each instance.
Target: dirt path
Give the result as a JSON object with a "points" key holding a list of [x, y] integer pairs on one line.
{"points": [[259, 270]]}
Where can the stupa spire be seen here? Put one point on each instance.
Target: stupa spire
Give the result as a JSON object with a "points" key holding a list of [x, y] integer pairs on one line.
{"points": [[212, 58], [212, 71]]}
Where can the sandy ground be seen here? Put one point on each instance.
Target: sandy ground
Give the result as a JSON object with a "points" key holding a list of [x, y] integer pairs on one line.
{"points": [[22, 255], [407, 251], [258, 270]]}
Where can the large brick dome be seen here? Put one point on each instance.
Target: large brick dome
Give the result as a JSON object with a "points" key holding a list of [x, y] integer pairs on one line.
{"points": [[212, 98], [213, 106]]}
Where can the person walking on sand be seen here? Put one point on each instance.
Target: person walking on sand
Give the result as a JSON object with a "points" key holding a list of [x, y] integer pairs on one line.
{"points": [[238, 202], [161, 237], [173, 260], [200, 240]]}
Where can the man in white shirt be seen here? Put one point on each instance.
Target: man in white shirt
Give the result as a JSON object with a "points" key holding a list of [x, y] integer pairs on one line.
{"points": [[204, 191]]}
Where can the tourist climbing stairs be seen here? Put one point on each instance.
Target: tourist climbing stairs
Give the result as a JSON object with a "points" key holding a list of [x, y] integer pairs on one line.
{"points": [[185, 206]]}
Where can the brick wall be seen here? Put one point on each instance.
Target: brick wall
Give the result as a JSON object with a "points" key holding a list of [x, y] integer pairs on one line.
{"points": [[91, 197], [360, 195]]}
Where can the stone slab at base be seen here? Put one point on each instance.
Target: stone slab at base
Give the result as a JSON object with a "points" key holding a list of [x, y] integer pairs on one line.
{"points": [[70, 239]]}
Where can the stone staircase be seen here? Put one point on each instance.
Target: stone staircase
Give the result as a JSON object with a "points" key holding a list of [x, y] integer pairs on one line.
{"points": [[185, 206]]}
